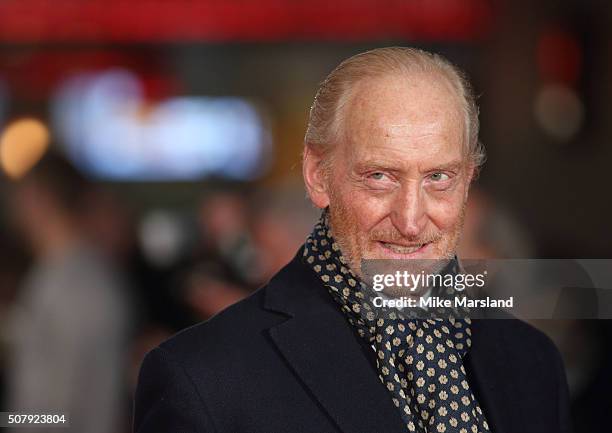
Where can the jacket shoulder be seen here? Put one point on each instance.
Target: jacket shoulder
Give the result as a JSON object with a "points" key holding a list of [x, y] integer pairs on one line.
{"points": [[231, 327], [521, 338]]}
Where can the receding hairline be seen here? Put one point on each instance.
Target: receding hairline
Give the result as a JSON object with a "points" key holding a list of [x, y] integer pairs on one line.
{"points": [[331, 102], [417, 78]]}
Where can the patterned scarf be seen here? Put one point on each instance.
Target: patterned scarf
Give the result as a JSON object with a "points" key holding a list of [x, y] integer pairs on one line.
{"points": [[419, 361]]}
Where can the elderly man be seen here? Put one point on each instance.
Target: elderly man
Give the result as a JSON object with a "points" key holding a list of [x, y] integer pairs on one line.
{"points": [[390, 151]]}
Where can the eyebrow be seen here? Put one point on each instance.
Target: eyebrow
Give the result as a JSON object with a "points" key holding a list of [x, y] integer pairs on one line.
{"points": [[450, 166], [394, 166]]}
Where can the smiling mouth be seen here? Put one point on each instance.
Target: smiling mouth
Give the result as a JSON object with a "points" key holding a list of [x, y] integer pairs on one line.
{"points": [[403, 249]]}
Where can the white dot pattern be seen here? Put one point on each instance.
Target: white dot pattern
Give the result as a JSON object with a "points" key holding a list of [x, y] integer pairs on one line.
{"points": [[419, 361]]}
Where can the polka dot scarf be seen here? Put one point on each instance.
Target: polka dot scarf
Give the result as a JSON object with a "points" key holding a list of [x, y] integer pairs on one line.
{"points": [[419, 361]]}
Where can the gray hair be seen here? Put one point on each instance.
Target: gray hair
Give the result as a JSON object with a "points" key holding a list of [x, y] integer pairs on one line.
{"points": [[326, 113]]}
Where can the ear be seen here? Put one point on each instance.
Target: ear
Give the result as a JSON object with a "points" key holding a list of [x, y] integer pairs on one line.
{"points": [[314, 178], [471, 174]]}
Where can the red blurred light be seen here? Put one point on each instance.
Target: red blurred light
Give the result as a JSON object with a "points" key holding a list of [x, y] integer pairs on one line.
{"points": [[559, 57], [241, 20]]}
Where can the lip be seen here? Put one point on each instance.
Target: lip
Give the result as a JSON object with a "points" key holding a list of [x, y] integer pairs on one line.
{"points": [[389, 253]]}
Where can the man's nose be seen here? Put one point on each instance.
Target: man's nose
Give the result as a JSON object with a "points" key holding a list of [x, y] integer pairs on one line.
{"points": [[408, 214]]}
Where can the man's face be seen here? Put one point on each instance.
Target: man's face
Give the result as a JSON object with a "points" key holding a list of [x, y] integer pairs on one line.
{"points": [[399, 178]]}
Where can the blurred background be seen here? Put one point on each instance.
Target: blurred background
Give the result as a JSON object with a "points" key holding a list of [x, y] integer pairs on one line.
{"points": [[150, 155]]}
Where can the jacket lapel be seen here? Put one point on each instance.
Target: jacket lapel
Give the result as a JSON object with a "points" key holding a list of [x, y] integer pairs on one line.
{"points": [[490, 376], [322, 350]]}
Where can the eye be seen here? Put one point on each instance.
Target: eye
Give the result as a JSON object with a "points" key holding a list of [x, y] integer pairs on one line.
{"points": [[377, 175], [379, 180], [439, 176]]}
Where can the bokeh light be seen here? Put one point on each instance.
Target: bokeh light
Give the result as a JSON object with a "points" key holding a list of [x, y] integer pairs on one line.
{"points": [[22, 143]]}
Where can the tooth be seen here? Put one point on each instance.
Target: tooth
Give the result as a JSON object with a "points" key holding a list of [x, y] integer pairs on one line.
{"points": [[402, 250]]}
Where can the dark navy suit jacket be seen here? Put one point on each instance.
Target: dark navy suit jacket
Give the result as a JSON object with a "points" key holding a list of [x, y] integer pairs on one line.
{"points": [[286, 360]]}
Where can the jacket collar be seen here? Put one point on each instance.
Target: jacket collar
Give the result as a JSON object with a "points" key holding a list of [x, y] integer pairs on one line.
{"points": [[324, 353]]}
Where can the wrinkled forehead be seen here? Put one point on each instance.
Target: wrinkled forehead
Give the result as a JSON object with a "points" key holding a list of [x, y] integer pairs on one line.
{"points": [[406, 108]]}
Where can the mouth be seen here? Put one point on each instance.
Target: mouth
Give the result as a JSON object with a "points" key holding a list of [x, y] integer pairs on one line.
{"points": [[404, 250]]}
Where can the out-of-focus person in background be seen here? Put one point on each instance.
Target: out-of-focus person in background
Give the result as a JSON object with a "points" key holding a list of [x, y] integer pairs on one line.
{"points": [[13, 265], [210, 286], [491, 231], [223, 223], [282, 216], [70, 321], [245, 240]]}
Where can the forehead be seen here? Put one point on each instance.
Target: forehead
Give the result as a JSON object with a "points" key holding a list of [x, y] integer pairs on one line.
{"points": [[407, 117]]}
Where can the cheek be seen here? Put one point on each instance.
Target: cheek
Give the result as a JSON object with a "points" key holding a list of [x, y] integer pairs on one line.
{"points": [[445, 212], [368, 210], [361, 211]]}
